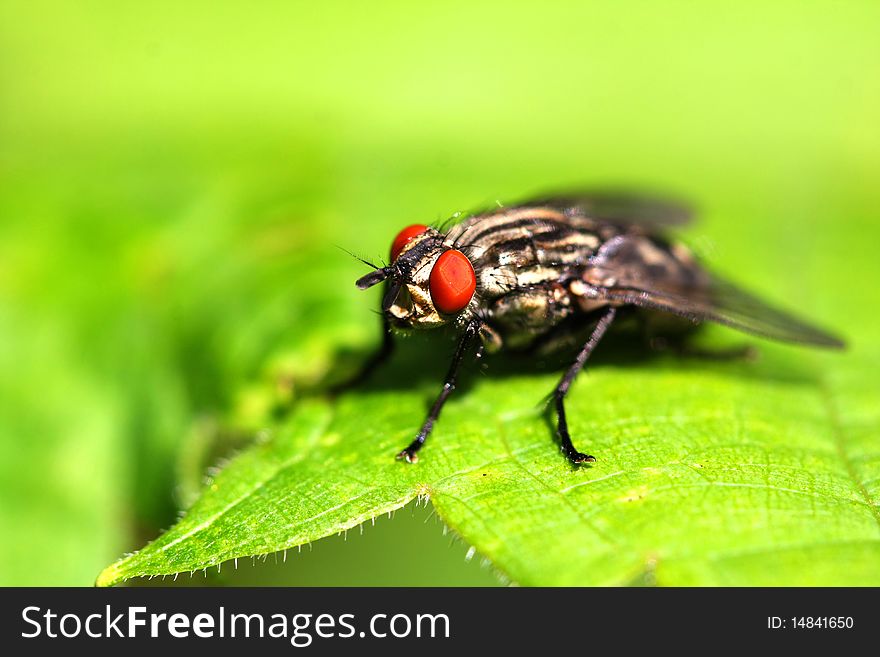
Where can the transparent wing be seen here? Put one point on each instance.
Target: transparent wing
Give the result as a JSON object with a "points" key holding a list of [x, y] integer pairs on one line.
{"points": [[639, 271], [618, 207]]}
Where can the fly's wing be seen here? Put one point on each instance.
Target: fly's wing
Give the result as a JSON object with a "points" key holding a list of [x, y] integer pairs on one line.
{"points": [[637, 270], [616, 207]]}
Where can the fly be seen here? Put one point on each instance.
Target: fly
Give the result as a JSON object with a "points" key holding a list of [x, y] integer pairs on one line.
{"points": [[528, 275]]}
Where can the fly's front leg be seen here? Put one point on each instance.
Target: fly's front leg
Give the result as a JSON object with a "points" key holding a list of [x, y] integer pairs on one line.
{"points": [[565, 383], [373, 362], [470, 334]]}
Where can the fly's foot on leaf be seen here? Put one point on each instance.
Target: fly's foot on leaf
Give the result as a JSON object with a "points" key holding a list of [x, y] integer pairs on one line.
{"points": [[408, 455], [577, 457]]}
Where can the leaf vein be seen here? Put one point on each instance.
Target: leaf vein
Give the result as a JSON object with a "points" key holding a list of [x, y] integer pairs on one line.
{"points": [[839, 443]]}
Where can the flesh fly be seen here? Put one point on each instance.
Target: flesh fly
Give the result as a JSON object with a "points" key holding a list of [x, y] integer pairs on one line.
{"points": [[534, 274]]}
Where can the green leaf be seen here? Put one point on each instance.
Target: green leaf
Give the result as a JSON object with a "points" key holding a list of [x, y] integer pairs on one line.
{"points": [[709, 473]]}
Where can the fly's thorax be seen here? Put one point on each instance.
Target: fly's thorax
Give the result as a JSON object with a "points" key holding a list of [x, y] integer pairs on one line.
{"points": [[523, 248]]}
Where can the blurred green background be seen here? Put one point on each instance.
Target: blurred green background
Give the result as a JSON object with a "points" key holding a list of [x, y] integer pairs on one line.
{"points": [[175, 179]]}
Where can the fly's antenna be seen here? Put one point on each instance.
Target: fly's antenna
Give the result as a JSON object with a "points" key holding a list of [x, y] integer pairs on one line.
{"points": [[378, 274], [374, 277], [357, 257]]}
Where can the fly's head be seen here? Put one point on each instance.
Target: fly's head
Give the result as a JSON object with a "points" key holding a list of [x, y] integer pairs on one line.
{"points": [[429, 284]]}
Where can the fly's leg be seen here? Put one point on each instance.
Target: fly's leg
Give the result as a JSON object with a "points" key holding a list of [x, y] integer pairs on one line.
{"points": [[372, 363], [565, 383], [675, 338], [745, 352], [471, 332]]}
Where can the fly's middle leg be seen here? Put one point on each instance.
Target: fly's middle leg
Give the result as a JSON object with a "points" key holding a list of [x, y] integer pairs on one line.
{"points": [[565, 382]]}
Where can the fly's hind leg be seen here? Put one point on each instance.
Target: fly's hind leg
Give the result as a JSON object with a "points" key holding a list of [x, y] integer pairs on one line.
{"points": [[743, 352], [681, 346], [663, 332], [565, 382]]}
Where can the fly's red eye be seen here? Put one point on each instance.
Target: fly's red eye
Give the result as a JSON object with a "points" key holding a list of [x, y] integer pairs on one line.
{"points": [[403, 238], [452, 282]]}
